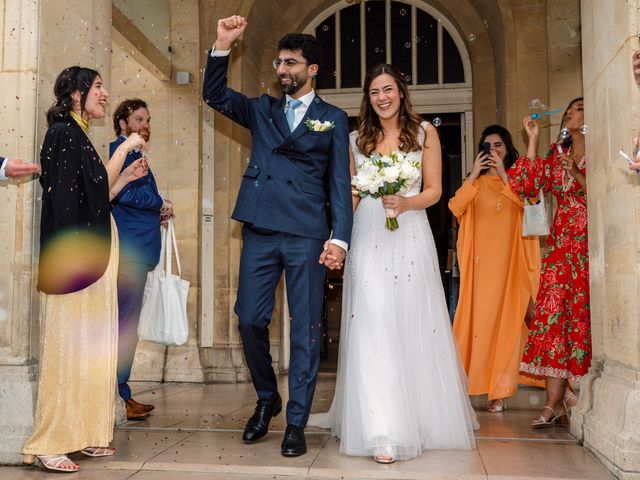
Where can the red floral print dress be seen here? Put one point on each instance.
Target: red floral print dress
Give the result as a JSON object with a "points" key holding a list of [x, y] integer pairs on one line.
{"points": [[559, 343]]}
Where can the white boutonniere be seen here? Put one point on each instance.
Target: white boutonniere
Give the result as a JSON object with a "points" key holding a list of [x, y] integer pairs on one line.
{"points": [[318, 126]]}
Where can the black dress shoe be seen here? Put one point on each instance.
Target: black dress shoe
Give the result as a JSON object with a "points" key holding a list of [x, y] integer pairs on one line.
{"points": [[258, 425], [293, 444]]}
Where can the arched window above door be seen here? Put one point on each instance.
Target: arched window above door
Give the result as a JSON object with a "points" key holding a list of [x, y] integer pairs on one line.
{"points": [[411, 34]]}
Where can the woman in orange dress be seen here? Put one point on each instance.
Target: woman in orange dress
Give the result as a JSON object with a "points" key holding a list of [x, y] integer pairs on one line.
{"points": [[499, 273]]}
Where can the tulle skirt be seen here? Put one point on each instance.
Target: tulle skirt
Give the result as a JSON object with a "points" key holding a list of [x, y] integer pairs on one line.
{"points": [[400, 383]]}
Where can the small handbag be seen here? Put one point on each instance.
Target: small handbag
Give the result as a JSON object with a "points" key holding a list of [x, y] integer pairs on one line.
{"points": [[163, 318], [534, 220]]}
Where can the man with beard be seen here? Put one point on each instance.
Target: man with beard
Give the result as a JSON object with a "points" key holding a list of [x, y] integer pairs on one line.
{"points": [[138, 210], [300, 159]]}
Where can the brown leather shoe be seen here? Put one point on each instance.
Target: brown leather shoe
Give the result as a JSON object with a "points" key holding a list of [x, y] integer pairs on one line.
{"points": [[145, 407], [133, 413]]}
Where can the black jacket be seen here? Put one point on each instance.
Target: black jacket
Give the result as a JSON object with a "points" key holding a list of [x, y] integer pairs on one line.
{"points": [[75, 230]]}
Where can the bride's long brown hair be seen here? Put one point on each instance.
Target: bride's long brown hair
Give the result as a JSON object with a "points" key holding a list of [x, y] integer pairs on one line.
{"points": [[369, 129]]}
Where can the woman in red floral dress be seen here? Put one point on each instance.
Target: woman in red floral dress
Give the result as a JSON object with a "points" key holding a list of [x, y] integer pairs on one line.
{"points": [[559, 344]]}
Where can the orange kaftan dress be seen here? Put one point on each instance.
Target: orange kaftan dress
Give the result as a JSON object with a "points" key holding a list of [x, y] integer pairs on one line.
{"points": [[499, 273]]}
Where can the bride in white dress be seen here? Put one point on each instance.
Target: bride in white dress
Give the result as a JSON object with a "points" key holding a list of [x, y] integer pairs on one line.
{"points": [[400, 388]]}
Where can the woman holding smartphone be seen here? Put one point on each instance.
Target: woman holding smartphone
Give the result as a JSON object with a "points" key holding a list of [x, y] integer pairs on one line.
{"points": [[499, 271]]}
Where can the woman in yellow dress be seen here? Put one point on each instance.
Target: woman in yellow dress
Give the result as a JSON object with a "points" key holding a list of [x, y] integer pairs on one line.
{"points": [[77, 278], [499, 272]]}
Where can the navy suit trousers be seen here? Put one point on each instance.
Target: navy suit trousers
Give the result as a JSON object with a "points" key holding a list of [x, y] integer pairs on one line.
{"points": [[132, 278], [265, 255]]}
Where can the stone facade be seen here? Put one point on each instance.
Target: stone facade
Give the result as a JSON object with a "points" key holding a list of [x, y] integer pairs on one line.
{"points": [[31, 38], [518, 49], [608, 417]]}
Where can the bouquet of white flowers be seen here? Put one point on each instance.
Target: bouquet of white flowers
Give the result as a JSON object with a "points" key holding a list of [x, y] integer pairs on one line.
{"points": [[382, 175]]}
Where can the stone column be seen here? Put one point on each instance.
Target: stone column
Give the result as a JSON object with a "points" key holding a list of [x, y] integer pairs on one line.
{"points": [[38, 39], [608, 416]]}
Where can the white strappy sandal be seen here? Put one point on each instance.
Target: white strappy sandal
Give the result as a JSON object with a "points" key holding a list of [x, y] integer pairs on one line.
{"points": [[55, 463], [98, 452]]}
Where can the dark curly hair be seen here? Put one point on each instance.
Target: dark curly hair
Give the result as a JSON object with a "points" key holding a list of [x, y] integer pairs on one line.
{"points": [[308, 45], [125, 109], [70, 80]]}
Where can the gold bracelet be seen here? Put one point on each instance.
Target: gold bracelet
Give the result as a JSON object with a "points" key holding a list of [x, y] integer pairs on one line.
{"points": [[354, 193]]}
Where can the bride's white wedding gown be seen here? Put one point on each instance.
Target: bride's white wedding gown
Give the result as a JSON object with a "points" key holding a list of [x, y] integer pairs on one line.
{"points": [[400, 383]]}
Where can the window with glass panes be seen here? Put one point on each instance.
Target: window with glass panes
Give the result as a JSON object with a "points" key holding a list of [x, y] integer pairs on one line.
{"points": [[422, 44]]}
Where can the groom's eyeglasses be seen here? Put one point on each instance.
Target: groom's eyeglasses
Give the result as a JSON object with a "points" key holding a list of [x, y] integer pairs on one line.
{"points": [[287, 62]]}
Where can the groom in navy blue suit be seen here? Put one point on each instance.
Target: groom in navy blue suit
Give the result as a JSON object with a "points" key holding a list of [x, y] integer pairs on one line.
{"points": [[299, 162]]}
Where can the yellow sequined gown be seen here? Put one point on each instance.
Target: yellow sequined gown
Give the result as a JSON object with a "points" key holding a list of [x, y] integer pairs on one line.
{"points": [[76, 388]]}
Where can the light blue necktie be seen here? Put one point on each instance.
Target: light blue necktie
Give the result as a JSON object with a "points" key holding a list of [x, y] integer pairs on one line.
{"points": [[291, 111]]}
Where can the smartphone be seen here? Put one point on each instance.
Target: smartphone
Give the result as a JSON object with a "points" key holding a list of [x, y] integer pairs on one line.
{"points": [[485, 148]]}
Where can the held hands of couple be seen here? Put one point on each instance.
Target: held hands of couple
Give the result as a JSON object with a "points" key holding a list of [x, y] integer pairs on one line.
{"points": [[229, 29], [332, 256]]}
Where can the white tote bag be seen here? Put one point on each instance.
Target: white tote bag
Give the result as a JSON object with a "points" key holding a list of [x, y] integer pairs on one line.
{"points": [[534, 220], [163, 318]]}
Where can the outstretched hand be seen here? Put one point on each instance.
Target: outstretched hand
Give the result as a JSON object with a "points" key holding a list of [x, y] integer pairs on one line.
{"points": [[19, 168], [229, 29], [332, 256]]}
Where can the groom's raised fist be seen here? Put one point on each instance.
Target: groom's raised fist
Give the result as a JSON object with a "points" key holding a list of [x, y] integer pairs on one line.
{"points": [[229, 29]]}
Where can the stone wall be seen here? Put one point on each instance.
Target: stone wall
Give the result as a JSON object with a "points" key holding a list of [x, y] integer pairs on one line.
{"points": [[35, 45], [608, 416], [174, 156]]}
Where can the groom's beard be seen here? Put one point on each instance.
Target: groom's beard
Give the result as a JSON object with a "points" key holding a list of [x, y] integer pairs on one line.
{"points": [[295, 84]]}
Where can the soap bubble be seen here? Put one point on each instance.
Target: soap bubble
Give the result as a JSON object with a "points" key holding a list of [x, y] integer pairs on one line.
{"points": [[402, 12], [325, 28], [437, 121], [471, 37], [584, 129], [407, 45], [536, 104], [565, 133]]}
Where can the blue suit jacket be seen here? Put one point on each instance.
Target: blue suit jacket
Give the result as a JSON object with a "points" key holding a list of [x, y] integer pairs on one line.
{"points": [[136, 211], [291, 175]]}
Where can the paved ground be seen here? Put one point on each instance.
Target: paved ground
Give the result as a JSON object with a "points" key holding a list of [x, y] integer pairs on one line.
{"points": [[194, 434]]}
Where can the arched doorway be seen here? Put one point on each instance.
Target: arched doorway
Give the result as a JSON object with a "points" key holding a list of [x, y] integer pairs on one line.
{"points": [[427, 48]]}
